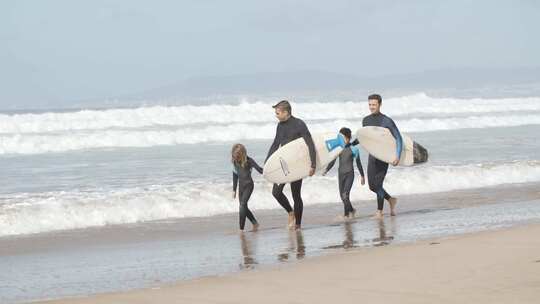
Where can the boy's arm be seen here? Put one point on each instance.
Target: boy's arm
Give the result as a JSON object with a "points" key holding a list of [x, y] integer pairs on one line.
{"points": [[356, 152], [390, 125], [330, 165], [359, 165]]}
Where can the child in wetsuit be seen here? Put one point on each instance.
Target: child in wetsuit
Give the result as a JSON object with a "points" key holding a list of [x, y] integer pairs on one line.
{"points": [[346, 171], [242, 165]]}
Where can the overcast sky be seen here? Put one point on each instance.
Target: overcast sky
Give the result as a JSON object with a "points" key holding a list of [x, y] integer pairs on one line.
{"points": [[59, 51]]}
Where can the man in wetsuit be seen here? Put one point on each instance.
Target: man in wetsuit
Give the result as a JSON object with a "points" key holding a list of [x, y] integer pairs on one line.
{"points": [[377, 169], [288, 129]]}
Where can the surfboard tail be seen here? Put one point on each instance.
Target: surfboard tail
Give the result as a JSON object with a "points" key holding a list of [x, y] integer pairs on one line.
{"points": [[334, 143], [420, 154]]}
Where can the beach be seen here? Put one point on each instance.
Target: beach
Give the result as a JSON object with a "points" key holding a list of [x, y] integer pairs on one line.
{"points": [[488, 267]]}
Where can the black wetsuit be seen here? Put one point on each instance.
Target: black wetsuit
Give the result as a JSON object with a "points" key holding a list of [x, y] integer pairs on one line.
{"points": [[286, 132], [377, 169], [242, 178], [346, 174]]}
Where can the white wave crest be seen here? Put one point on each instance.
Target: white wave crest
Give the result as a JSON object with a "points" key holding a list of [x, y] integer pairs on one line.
{"points": [[35, 213], [174, 116], [96, 139]]}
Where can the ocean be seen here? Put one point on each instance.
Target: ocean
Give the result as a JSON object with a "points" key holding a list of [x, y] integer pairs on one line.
{"points": [[66, 170], [84, 172]]}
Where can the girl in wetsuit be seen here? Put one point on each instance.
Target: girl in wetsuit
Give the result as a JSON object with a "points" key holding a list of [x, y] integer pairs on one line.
{"points": [[242, 165]]}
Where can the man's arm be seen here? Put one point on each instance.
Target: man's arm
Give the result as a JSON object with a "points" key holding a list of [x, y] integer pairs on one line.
{"points": [[275, 144], [309, 141], [390, 125]]}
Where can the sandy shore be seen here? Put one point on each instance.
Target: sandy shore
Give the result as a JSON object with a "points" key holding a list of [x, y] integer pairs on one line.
{"points": [[489, 267]]}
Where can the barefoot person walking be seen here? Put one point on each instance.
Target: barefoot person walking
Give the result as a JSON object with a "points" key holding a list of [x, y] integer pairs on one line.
{"points": [[290, 128], [242, 165], [377, 169], [346, 172]]}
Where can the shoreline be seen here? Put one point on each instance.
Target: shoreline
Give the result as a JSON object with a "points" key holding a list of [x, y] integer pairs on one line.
{"points": [[226, 223], [119, 259], [500, 266]]}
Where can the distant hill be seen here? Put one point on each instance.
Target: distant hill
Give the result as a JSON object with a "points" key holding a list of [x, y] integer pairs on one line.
{"points": [[321, 85], [320, 81]]}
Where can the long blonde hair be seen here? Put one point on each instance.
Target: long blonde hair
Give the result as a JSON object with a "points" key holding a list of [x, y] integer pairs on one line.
{"points": [[239, 155]]}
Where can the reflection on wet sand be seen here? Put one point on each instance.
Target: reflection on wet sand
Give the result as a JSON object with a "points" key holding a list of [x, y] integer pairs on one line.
{"points": [[248, 252], [382, 232], [296, 246], [383, 238], [348, 241]]}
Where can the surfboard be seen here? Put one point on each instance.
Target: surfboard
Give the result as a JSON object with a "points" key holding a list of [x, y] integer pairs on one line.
{"points": [[380, 143], [291, 162]]}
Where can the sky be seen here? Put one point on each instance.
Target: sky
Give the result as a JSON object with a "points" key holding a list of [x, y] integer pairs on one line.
{"points": [[60, 51]]}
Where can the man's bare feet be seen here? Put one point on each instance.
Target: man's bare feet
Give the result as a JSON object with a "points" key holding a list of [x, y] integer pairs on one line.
{"points": [[297, 227], [352, 214], [292, 220], [393, 203], [378, 215], [255, 227]]}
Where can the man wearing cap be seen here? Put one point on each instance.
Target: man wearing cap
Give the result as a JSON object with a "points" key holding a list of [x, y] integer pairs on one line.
{"points": [[288, 129]]}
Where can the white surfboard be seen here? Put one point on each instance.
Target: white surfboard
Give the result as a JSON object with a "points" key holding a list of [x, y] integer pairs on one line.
{"points": [[291, 162], [380, 143]]}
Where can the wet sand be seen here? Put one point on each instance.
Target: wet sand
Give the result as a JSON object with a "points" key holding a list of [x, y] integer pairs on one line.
{"points": [[487, 267]]}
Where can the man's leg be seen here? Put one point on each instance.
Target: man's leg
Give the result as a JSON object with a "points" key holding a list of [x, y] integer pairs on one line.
{"points": [[296, 189], [382, 170], [376, 174], [277, 192], [391, 200]]}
